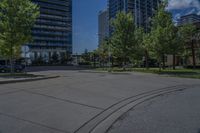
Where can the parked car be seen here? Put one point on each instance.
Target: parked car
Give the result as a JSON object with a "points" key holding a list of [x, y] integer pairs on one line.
{"points": [[7, 68]]}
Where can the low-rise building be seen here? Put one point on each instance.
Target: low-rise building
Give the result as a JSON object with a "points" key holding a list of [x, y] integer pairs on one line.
{"points": [[189, 19]]}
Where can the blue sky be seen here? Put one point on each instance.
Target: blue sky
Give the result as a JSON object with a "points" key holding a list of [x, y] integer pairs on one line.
{"points": [[85, 23], [85, 19]]}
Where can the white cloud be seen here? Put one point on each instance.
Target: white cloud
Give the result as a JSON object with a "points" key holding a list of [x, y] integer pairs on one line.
{"points": [[177, 16], [180, 4]]}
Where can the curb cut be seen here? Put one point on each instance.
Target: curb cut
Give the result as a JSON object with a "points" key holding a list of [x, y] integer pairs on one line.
{"points": [[28, 80]]}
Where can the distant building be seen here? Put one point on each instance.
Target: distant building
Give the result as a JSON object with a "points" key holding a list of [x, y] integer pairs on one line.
{"points": [[189, 19], [52, 33], [142, 10], [103, 29]]}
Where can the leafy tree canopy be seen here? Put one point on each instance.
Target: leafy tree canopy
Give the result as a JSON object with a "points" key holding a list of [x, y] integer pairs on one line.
{"points": [[17, 17]]}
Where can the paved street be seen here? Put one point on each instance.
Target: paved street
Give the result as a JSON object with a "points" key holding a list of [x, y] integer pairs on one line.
{"points": [[74, 101], [174, 113]]}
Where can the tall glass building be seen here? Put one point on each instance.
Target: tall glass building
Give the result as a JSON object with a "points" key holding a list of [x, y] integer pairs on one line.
{"points": [[142, 10], [52, 33], [103, 26]]}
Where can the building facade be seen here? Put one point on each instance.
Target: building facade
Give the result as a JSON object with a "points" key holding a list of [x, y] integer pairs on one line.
{"points": [[52, 33], [103, 26], [189, 19], [142, 10]]}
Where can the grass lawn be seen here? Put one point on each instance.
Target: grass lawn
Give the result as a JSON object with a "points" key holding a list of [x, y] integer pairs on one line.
{"points": [[183, 73]]}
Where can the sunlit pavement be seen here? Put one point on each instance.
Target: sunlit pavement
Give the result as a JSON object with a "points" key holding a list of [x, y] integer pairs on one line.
{"points": [[67, 103]]}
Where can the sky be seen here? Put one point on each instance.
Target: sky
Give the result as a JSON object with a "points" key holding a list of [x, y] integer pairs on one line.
{"points": [[184, 7], [85, 19], [85, 24]]}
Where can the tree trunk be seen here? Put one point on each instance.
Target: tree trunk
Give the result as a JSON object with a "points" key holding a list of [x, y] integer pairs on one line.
{"points": [[160, 67], [94, 61], [163, 59], [112, 60], [174, 61], [11, 59], [193, 55], [124, 63], [147, 59]]}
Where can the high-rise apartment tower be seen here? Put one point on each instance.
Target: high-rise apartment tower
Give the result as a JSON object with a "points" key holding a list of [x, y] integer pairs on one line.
{"points": [[52, 33], [103, 29], [142, 10]]}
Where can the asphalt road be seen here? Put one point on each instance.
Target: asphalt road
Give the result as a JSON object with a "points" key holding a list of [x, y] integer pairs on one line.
{"points": [[75, 102], [178, 112]]}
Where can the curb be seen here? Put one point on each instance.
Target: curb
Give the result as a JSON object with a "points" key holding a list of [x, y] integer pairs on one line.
{"points": [[28, 80], [104, 72]]}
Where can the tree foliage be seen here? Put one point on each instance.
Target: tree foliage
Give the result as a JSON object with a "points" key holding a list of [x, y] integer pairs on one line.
{"points": [[17, 17], [123, 36], [188, 33], [103, 51], [161, 31], [130, 43]]}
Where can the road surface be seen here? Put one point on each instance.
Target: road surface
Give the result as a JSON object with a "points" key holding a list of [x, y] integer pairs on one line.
{"points": [[78, 101]]}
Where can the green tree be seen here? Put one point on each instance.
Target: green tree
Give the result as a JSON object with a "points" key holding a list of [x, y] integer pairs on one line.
{"points": [[161, 33], [103, 52], [95, 56], [123, 36], [137, 50], [198, 54], [188, 32], [176, 44], [65, 58], [146, 45], [17, 19], [180, 37], [86, 56]]}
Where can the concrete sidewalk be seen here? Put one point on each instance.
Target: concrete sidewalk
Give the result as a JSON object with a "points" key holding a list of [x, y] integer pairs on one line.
{"points": [[74, 101]]}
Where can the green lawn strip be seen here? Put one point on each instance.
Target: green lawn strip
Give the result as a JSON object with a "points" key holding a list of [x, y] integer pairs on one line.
{"points": [[183, 73]]}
